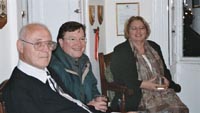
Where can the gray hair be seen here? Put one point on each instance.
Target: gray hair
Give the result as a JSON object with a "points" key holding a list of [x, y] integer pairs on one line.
{"points": [[28, 29]]}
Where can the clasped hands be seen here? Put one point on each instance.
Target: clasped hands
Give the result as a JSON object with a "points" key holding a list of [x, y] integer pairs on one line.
{"points": [[152, 85], [100, 103]]}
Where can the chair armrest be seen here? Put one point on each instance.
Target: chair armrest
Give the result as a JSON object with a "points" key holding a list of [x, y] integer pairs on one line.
{"points": [[113, 86], [1, 89]]}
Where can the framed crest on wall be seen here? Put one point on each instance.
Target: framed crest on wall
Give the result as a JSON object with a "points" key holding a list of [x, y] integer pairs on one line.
{"points": [[100, 13], [3, 13], [92, 14]]}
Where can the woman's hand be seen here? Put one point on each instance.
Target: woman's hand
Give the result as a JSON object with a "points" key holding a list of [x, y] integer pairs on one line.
{"points": [[166, 82], [149, 84], [100, 103]]}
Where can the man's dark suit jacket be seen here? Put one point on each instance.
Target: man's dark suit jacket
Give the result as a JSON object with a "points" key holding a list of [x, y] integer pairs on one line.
{"points": [[124, 70], [26, 94]]}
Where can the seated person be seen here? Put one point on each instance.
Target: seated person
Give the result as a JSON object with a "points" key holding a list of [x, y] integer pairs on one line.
{"points": [[26, 90], [138, 63], [73, 66]]}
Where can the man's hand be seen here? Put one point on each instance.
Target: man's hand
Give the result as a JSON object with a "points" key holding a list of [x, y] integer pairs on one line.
{"points": [[100, 103]]}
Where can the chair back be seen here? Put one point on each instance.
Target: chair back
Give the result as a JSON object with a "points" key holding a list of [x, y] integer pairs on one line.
{"points": [[2, 103], [108, 86], [104, 62]]}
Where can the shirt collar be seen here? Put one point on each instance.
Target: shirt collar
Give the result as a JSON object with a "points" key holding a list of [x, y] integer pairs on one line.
{"points": [[40, 74]]}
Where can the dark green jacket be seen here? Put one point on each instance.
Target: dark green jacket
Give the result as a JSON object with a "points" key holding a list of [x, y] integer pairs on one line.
{"points": [[124, 70], [77, 76]]}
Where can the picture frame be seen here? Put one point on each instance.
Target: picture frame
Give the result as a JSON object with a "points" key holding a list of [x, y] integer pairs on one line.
{"points": [[196, 3], [123, 12]]}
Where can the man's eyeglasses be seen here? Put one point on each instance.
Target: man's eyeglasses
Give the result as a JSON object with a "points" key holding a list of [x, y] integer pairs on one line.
{"points": [[40, 45], [73, 39]]}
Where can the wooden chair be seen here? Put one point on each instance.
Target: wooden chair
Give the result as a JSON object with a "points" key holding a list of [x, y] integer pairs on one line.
{"points": [[2, 103], [104, 63]]}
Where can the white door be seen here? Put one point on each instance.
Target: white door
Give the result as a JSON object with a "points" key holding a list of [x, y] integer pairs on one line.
{"points": [[185, 69], [52, 13]]}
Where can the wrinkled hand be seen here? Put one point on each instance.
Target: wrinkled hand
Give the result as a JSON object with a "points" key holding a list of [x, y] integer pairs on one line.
{"points": [[100, 103]]}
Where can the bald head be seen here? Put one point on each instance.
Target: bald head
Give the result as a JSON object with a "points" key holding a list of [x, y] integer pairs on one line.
{"points": [[29, 29], [30, 36]]}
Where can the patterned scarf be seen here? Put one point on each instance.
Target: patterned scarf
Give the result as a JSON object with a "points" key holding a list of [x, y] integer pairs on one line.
{"points": [[165, 101], [144, 72]]}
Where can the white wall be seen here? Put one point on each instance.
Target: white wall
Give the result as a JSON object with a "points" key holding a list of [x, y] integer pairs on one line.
{"points": [[189, 80], [8, 35]]}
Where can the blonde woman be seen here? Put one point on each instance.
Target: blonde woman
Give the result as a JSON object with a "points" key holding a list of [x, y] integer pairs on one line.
{"points": [[138, 63]]}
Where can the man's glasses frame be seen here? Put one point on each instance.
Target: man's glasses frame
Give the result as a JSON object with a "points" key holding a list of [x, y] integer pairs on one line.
{"points": [[73, 39], [40, 44]]}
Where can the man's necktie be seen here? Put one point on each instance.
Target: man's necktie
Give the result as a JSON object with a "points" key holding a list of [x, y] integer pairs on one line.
{"points": [[54, 86]]}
